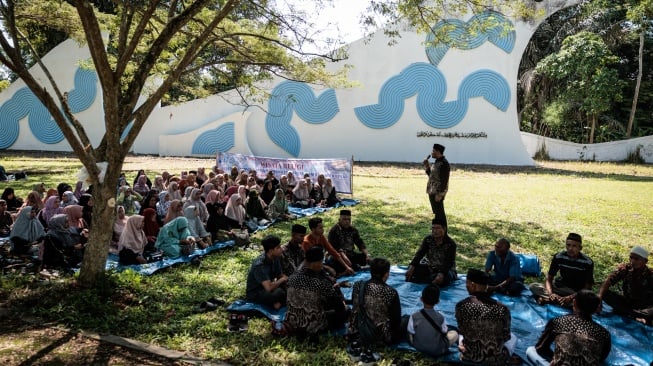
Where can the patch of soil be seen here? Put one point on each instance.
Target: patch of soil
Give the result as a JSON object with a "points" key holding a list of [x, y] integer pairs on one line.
{"points": [[29, 344]]}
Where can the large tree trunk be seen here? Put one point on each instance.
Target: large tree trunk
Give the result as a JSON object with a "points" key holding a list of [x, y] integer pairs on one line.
{"points": [[633, 109], [97, 250]]}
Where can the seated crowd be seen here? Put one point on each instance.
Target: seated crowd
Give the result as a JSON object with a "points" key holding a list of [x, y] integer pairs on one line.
{"points": [[169, 215], [176, 214], [298, 275]]}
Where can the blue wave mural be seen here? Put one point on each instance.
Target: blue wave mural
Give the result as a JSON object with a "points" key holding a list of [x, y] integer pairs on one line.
{"points": [[221, 139], [289, 97], [489, 26], [24, 103], [429, 84]]}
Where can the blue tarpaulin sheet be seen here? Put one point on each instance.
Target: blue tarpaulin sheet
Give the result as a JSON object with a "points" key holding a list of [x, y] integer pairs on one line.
{"points": [[632, 342]]}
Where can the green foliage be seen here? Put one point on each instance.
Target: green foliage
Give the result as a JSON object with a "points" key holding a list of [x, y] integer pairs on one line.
{"points": [[584, 64], [4, 84], [619, 27]]}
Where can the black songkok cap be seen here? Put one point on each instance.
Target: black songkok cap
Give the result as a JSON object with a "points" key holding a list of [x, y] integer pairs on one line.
{"points": [[345, 212], [315, 254], [478, 276], [437, 221], [301, 229], [438, 147]]}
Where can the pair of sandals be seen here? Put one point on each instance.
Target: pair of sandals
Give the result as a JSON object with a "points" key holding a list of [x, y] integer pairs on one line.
{"points": [[210, 305], [238, 323]]}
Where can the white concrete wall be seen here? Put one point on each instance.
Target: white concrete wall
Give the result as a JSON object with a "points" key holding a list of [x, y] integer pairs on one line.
{"points": [[175, 130], [608, 151]]}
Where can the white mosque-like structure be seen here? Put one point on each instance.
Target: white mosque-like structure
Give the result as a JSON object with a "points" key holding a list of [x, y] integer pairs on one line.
{"points": [[409, 96]]}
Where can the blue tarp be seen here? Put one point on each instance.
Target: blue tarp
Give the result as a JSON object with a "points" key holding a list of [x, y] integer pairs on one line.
{"points": [[631, 341], [302, 212], [150, 268]]}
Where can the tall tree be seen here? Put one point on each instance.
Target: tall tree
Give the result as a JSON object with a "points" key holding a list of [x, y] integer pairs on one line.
{"points": [[639, 13], [162, 39], [585, 63]]}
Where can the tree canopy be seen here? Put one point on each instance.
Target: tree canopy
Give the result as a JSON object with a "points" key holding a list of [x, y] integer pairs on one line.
{"points": [[140, 50], [544, 102]]}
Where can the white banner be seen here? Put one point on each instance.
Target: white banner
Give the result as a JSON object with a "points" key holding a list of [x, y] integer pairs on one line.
{"points": [[339, 170]]}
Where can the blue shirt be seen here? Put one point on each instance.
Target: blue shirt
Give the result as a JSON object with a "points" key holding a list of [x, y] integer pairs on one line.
{"points": [[509, 268]]}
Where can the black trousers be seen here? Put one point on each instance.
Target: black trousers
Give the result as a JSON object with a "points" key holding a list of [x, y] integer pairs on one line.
{"points": [[438, 208]]}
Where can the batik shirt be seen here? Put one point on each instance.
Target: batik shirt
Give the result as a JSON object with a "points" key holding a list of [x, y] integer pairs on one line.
{"points": [[579, 341], [485, 325], [439, 258], [309, 296], [438, 177], [291, 258], [382, 307], [345, 238], [637, 287]]}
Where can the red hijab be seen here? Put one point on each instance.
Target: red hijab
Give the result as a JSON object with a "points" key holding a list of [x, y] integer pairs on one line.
{"points": [[151, 227]]}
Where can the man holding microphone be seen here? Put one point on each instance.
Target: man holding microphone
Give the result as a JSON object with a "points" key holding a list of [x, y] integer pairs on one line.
{"points": [[438, 182]]}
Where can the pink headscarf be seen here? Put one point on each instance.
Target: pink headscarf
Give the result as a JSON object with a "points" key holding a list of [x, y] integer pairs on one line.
{"points": [[214, 196], [75, 213], [133, 236]]}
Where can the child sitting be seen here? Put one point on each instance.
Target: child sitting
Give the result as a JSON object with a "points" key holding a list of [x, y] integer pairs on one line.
{"points": [[427, 328]]}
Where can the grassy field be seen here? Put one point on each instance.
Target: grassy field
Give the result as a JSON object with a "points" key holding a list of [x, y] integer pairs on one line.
{"points": [[535, 207]]}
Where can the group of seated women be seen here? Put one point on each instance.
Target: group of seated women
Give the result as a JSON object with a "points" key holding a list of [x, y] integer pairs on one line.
{"points": [[194, 210], [173, 214], [48, 225]]}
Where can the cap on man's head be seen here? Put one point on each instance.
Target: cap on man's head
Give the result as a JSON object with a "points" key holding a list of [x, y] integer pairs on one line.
{"points": [[270, 242], [478, 276], [575, 237], [345, 212], [438, 147], [640, 251], [297, 228], [314, 254], [438, 221]]}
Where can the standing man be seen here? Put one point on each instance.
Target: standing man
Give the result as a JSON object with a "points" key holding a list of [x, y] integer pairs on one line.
{"points": [[576, 273], [438, 183], [435, 260], [265, 280], [636, 297], [292, 253], [316, 238], [345, 238]]}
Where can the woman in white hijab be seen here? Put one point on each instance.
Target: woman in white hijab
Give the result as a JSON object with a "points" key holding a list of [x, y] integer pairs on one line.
{"points": [[235, 210], [196, 200], [173, 189], [301, 196]]}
